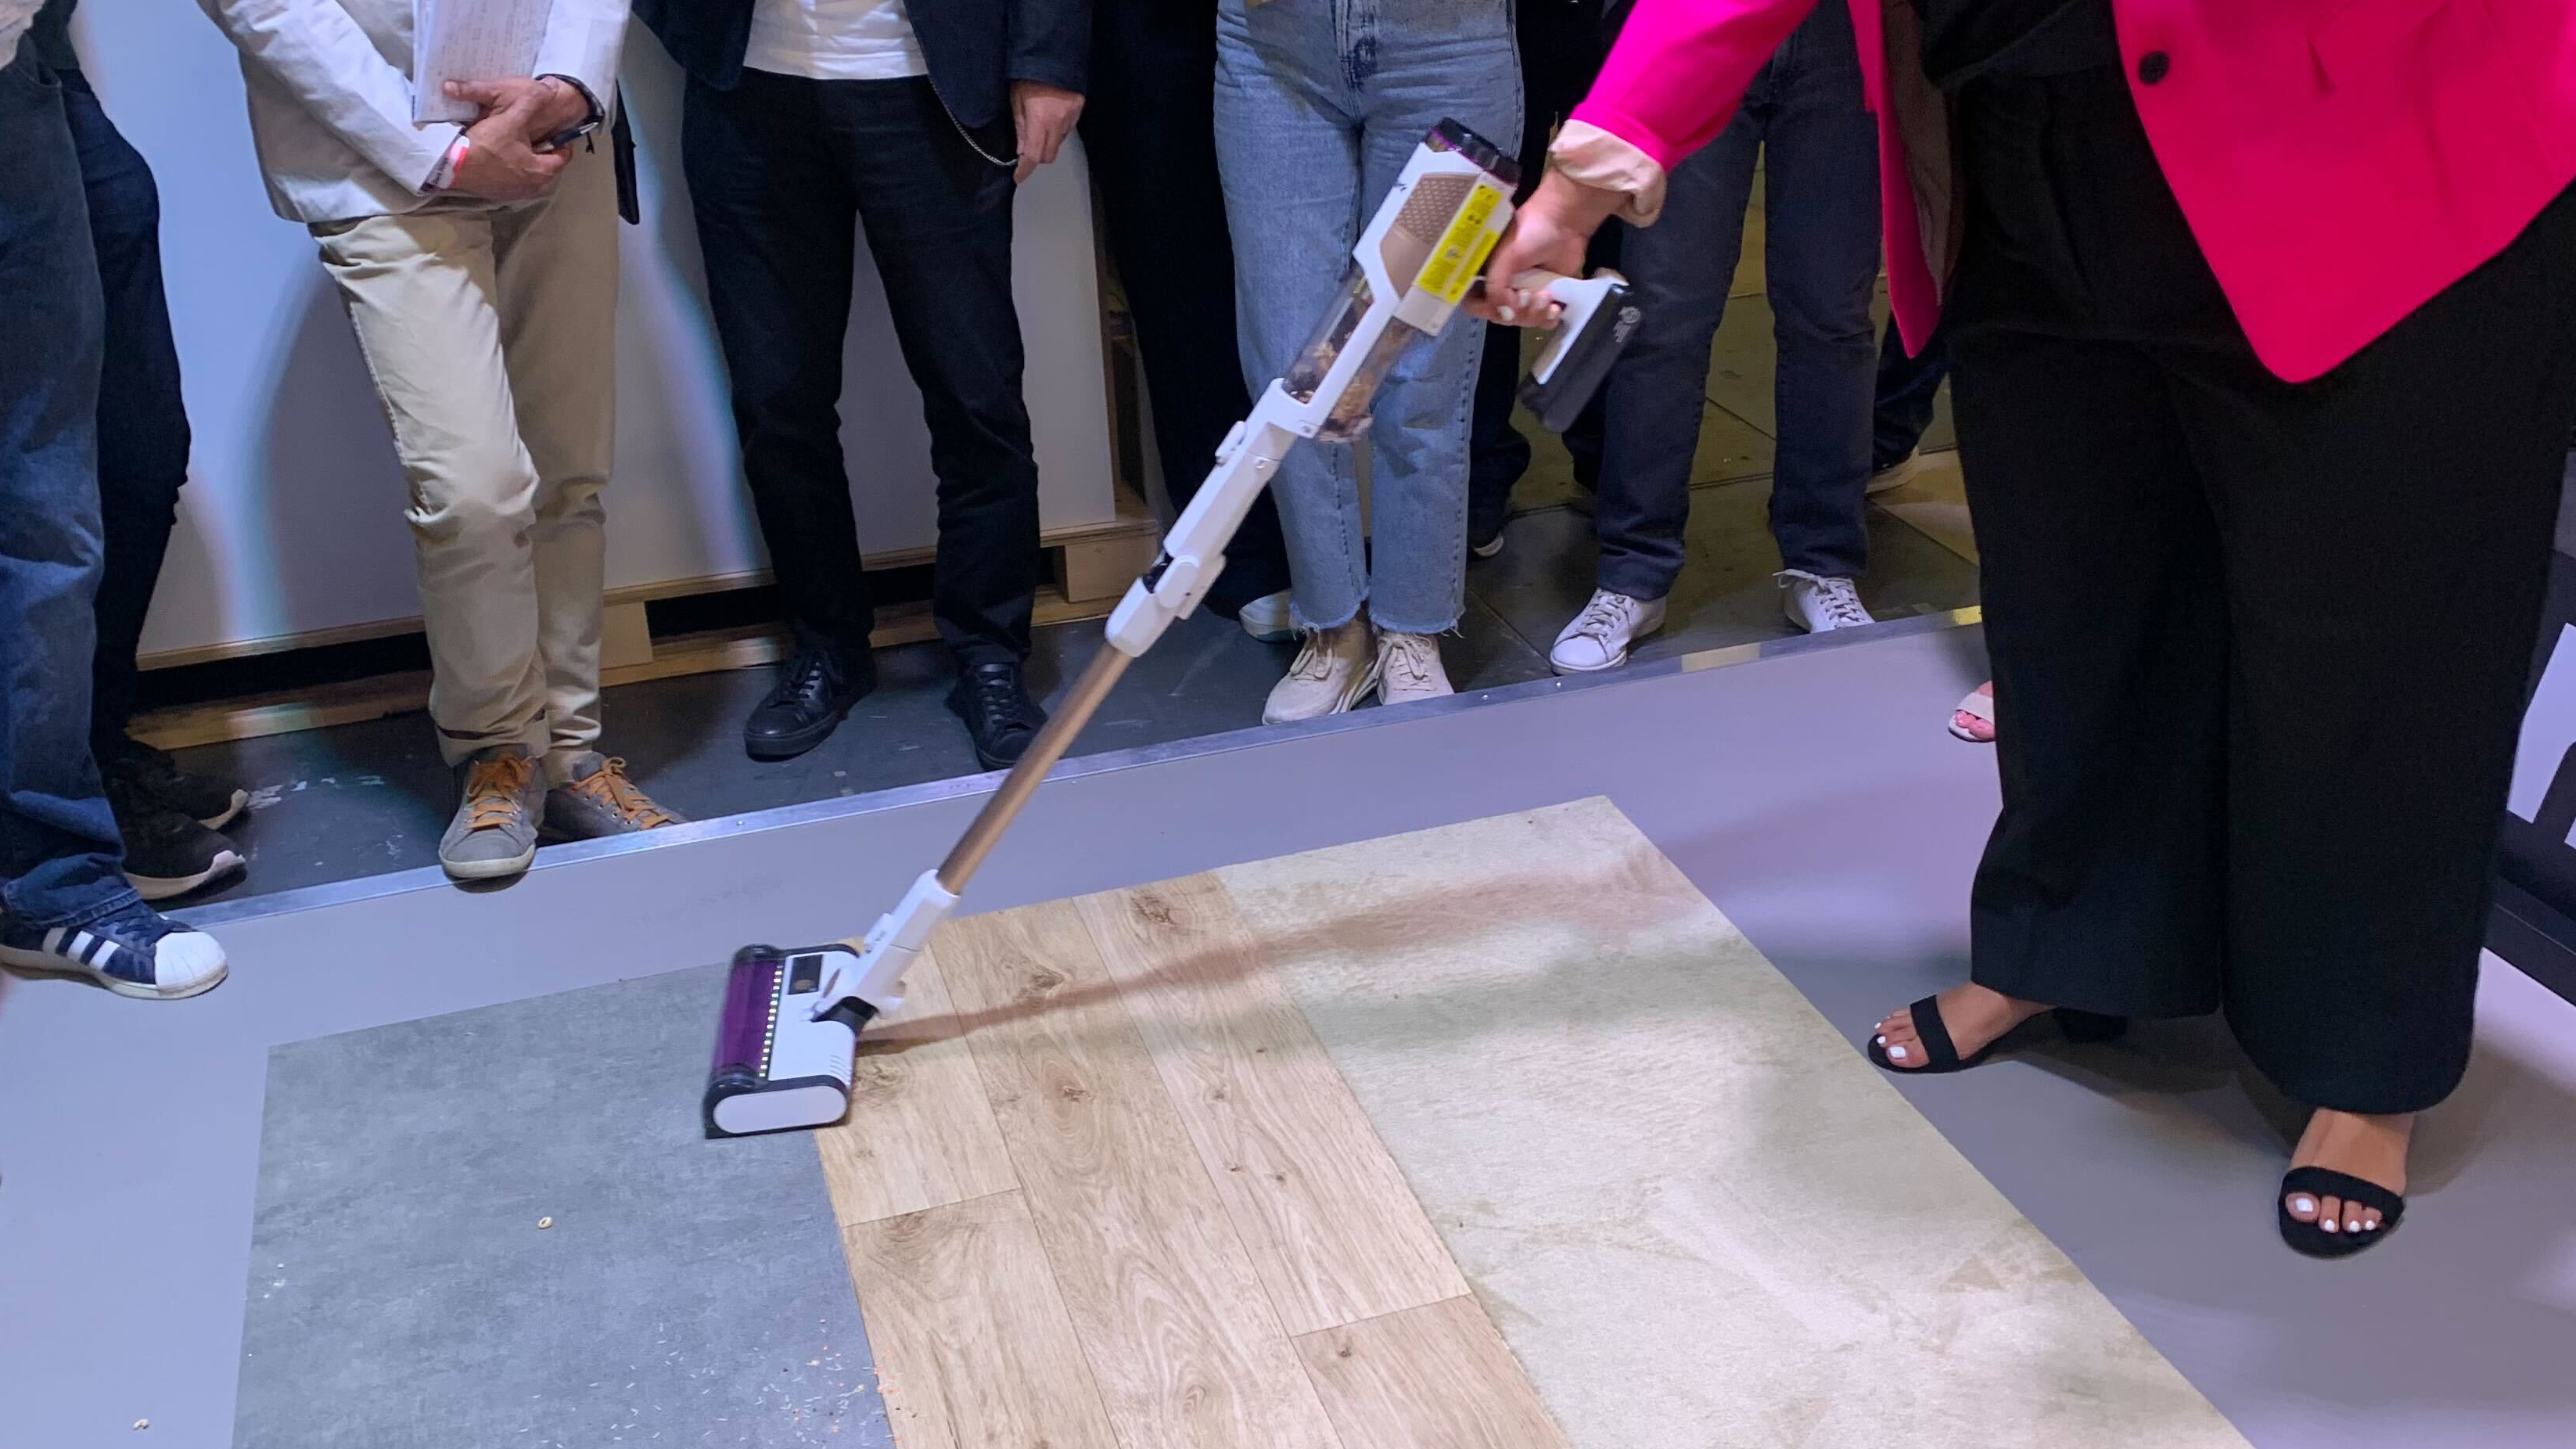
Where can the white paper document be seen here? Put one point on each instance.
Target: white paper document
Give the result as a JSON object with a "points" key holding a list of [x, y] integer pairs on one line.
{"points": [[469, 40]]}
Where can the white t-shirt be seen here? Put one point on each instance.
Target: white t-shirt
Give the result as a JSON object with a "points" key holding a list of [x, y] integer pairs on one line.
{"points": [[834, 40]]}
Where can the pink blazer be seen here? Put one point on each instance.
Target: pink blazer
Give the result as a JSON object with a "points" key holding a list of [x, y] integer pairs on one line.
{"points": [[2340, 161]]}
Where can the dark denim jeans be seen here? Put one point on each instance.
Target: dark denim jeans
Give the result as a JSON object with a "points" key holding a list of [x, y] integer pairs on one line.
{"points": [[1561, 43], [1805, 120], [60, 856], [1906, 388], [142, 422]]}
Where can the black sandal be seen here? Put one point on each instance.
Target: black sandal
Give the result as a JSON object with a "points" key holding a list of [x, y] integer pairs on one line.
{"points": [[2322, 1183], [2076, 1026]]}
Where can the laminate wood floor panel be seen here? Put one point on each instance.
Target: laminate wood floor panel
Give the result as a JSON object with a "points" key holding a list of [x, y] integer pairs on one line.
{"points": [[1325, 1213], [974, 1349], [920, 1133], [1435, 1377], [1184, 1343]]}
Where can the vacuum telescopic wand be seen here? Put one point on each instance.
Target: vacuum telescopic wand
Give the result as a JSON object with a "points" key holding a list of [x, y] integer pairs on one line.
{"points": [[792, 1016]]}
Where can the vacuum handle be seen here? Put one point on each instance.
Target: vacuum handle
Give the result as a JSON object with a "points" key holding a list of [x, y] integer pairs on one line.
{"points": [[1600, 312], [1582, 299]]}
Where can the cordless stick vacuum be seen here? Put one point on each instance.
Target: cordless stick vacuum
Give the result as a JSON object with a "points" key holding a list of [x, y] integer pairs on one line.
{"points": [[791, 1017]]}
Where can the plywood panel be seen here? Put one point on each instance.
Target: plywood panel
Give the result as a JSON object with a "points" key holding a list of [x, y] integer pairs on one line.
{"points": [[920, 1133], [973, 1346], [1437, 1377], [1188, 1351], [1324, 1211]]}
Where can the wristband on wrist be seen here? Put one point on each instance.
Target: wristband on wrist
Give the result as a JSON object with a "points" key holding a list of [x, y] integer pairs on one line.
{"points": [[444, 173]]}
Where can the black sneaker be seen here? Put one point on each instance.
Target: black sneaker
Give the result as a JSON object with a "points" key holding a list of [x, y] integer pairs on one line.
{"points": [[210, 800], [166, 853], [995, 703], [814, 692], [135, 952]]}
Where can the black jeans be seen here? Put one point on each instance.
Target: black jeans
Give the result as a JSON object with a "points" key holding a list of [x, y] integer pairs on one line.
{"points": [[783, 171], [2260, 646], [1149, 130], [142, 422], [1562, 44]]}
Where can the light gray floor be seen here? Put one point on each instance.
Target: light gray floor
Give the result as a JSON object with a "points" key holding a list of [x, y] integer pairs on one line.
{"points": [[534, 1172], [1812, 795]]}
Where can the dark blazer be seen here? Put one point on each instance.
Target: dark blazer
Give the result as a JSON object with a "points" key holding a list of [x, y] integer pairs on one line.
{"points": [[975, 48]]}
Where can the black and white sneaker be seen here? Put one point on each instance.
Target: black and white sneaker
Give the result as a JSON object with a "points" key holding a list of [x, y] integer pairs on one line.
{"points": [[166, 853], [135, 952], [154, 778]]}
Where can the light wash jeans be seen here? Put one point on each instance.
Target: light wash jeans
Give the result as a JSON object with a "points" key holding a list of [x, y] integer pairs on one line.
{"points": [[1318, 104]]}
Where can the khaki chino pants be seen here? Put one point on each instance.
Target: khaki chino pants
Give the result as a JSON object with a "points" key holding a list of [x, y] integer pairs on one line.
{"points": [[490, 333]]}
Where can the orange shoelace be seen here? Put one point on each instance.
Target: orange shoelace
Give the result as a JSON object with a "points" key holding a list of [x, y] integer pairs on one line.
{"points": [[492, 791], [610, 787]]}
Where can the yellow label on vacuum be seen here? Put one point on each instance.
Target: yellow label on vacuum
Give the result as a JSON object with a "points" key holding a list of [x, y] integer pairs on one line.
{"points": [[1463, 248]]}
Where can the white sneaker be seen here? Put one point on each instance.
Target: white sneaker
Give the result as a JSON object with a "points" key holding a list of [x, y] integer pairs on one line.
{"points": [[1408, 667], [1896, 474], [1335, 670], [1599, 636], [1268, 620], [1819, 604]]}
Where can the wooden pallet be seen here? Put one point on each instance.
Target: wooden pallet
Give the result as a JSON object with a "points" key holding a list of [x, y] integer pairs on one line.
{"points": [[1093, 564]]}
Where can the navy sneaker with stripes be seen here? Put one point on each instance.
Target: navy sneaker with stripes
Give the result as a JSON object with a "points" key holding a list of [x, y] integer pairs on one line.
{"points": [[135, 952]]}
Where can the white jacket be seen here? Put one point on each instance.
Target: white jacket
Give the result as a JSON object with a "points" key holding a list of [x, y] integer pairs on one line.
{"points": [[330, 95]]}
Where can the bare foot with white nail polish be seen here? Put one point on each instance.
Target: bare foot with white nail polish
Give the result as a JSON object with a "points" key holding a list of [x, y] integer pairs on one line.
{"points": [[2370, 1148], [1973, 1015]]}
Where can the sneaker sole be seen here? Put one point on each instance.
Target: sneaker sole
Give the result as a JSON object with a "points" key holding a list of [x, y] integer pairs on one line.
{"points": [[241, 802], [1488, 550], [52, 965], [489, 869], [1642, 636], [1561, 667], [1284, 635], [163, 887], [1350, 700]]}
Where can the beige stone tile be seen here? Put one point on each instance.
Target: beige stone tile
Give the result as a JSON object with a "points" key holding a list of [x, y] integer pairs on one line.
{"points": [[1697, 1214]]}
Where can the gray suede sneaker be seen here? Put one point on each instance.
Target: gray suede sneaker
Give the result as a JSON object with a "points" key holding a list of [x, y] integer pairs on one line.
{"points": [[494, 833], [599, 800]]}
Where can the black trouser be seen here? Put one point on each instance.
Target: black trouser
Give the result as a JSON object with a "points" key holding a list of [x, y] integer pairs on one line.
{"points": [[1562, 43], [142, 422], [2260, 647], [1149, 131], [782, 171]]}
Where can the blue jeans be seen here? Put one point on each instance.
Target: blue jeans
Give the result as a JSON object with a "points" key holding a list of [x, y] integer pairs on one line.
{"points": [[1318, 105], [60, 855], [1806, 120]]}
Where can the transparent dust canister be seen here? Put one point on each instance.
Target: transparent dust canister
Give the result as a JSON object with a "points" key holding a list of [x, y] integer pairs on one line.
{"points": [[1350, 416]]}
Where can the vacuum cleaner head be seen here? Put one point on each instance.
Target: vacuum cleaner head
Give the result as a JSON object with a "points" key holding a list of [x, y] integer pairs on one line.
{"points": [[778, 1067]]}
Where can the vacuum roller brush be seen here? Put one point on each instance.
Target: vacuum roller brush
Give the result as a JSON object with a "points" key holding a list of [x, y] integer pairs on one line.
{"points": [[779, 1066]]}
